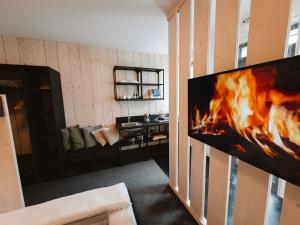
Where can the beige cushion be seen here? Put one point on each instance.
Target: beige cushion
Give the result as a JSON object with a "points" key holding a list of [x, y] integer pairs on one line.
{"points": [[100, 138], [111, 134]]}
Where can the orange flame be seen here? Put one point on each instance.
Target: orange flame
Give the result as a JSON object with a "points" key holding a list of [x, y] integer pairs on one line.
{"points": [[253, 112]]}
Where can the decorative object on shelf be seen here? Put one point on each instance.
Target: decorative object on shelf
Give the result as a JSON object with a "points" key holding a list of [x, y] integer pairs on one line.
{"points": [[159, 137], [137, 89], [252, 113], [147, 117], [156, 92]]}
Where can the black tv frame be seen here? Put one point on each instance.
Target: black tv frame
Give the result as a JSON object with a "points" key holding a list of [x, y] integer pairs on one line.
{"points": [[295, 63]]}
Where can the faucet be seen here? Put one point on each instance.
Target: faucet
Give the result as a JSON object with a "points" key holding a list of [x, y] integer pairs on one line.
{"points": [[128, 119]]}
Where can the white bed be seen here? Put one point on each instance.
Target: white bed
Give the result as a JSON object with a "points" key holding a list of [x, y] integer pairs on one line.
{"points": [[103, 206]]}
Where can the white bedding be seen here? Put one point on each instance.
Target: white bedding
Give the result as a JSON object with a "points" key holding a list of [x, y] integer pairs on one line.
{"points": [[114, 201]]}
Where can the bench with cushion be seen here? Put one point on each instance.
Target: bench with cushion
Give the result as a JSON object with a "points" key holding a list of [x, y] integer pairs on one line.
{"points": [[88, 143]]}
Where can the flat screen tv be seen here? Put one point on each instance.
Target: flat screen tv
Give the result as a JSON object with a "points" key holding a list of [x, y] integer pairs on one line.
{"points": [[252, 113]]}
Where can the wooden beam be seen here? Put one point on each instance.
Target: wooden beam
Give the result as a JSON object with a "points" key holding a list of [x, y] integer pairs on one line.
{"points": [[201, 37], [174, 9], [267, 35], [225, 53], [198, 155]]}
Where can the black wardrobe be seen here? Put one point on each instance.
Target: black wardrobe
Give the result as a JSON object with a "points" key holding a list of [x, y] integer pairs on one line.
{"points": [[36, 111]]}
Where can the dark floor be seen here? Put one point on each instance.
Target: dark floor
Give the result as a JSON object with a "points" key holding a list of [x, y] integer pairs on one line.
{"points": [[163, 163], [153, 200]]}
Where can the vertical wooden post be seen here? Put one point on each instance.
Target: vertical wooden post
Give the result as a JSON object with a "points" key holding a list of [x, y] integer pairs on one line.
{"points": [[225, 54], [267, 35], [173, 104], [184, 70], [198, 159], [291, 205]]}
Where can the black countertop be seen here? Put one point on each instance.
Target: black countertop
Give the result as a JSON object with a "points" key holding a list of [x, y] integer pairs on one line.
{"points": [[140, 119]]}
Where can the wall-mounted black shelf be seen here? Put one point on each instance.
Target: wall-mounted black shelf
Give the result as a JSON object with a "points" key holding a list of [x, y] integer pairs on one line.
{"points": [[140, 85]]}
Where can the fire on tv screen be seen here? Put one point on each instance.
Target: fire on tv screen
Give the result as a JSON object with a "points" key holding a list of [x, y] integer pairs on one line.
{"points": [[252, 113]]}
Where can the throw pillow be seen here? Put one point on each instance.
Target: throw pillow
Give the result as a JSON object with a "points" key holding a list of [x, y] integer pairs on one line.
{"points": [[99, 136], [111, 134], [88, 138], [76, 138], [65, 136]]}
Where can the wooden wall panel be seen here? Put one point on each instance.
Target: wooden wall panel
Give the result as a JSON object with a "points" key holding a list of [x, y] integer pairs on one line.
{"points": [[121, 57], [267, 35], [173, 102], [66, 82], [87, 90], [11, 48], [51, 54], [96, 87], [86, 76], [75, 67], [69, 106], [225, 53], [11, 196], [165, 103], [116, 107], [184, 70], [107, 110], [64, 64], [291, 205], [152, 104], [2, 52], [145, 63], [32, 51]]}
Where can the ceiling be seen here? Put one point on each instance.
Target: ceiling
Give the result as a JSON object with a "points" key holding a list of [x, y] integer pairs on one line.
{"points": [[138, 25]]}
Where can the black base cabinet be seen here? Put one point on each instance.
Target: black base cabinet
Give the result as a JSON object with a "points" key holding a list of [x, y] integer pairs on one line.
{"points": [[35, 103]]}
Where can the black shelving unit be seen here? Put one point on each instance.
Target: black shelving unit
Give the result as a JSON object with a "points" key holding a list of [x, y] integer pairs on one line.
{"points": [[36, 90], [140, 84], [130, 151]]}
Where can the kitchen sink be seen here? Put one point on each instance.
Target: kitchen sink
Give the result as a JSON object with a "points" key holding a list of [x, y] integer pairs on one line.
{"points": [[132, 124]]}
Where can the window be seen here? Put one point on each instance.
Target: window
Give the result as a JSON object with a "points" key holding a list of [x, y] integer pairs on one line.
{"points": [[293, 40], [242, 57]]}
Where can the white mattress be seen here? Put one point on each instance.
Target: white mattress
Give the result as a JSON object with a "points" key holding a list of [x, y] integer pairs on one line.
{"points": [[113, 201]]}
